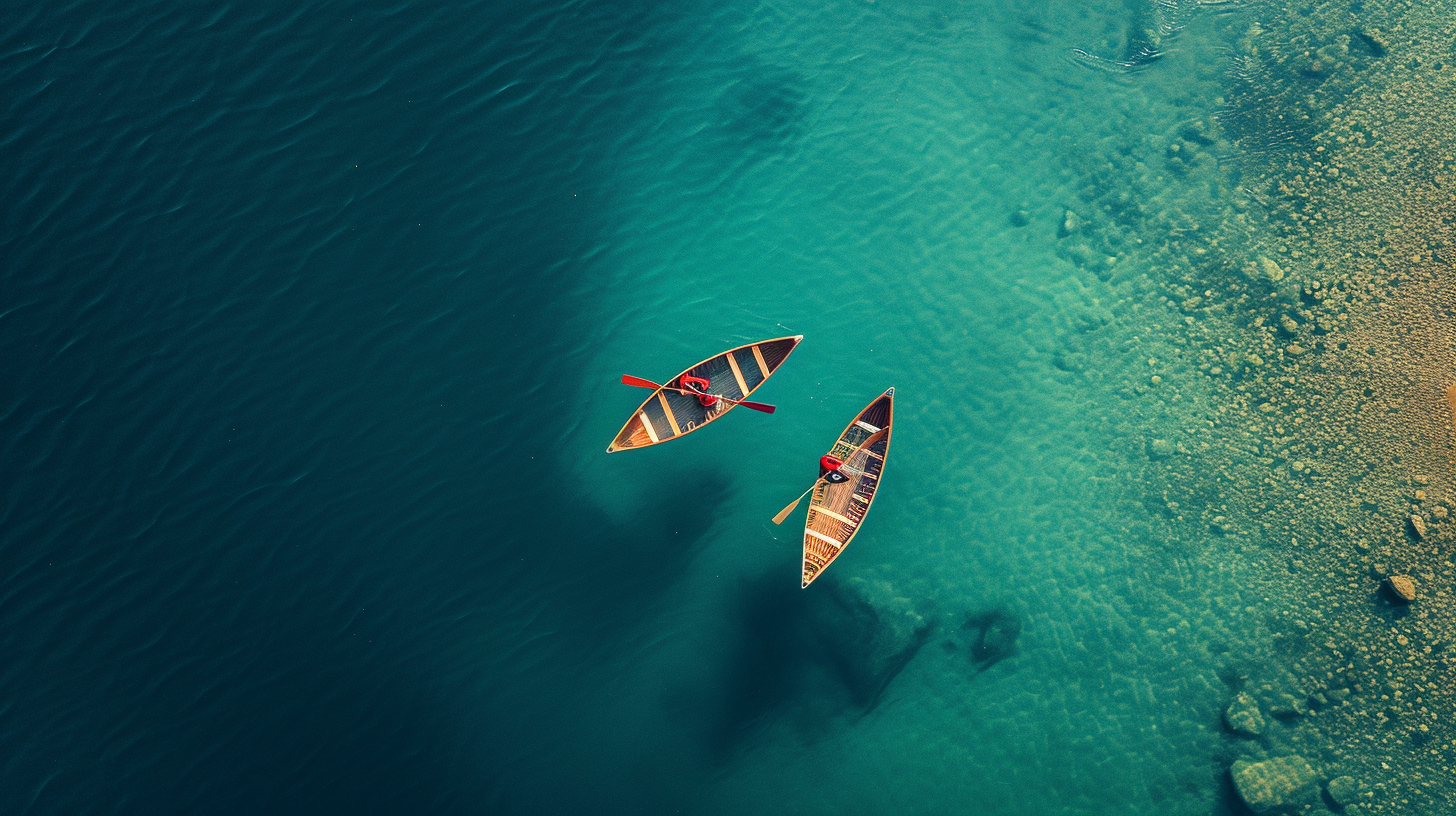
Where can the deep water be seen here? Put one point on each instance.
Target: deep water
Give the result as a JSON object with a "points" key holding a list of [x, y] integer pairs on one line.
{"points": [[311, 323]]}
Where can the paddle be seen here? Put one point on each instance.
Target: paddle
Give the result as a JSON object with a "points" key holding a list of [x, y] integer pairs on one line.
{"points": [[784, 513], [628, 379]]}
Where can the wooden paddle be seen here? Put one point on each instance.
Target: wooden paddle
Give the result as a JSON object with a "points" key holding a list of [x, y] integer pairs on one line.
{"points": [[628, 379], [784, 513]]}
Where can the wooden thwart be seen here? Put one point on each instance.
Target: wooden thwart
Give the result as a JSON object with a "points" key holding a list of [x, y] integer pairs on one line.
{"points": [[830, 513], [667, 411], [762, 366], [833, 542], [647, 426], [737, 374]]}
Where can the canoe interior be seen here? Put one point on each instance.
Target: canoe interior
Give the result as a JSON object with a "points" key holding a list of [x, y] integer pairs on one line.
{"points": [[836, 511], [735, 374]]}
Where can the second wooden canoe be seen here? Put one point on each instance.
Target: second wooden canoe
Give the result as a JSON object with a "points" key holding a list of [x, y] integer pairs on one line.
{"points": [[837, 510], [736, 373]]}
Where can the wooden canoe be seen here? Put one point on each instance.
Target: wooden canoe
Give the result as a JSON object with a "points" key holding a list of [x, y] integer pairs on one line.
{"points": [[735, 374], [837, 510]]}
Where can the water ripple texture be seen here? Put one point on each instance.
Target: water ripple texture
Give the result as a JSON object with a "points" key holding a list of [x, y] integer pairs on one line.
{"points": [[312, 316]]}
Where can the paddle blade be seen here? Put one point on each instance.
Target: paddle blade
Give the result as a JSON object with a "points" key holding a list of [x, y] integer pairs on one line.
{"points": [[784, 513], [758, 406], [628, 379]]}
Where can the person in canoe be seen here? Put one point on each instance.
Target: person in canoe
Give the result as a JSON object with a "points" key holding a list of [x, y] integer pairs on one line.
{"points": [[699, 386], [829, 470]]}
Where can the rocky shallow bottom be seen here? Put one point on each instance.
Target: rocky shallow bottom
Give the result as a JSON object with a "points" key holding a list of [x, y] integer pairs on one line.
{"points": [[1311, 314], [1251, 602]]}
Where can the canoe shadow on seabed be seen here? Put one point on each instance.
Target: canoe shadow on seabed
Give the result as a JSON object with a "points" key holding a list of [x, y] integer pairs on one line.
{"points": [[821, 656]]}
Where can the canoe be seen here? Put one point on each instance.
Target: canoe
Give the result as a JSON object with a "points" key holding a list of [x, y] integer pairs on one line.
{"points": [[837, 510], [736, 373]]}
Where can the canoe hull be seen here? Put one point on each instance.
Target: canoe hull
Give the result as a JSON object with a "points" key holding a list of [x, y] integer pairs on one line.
{"points": [[836, 511], [735, 374]]}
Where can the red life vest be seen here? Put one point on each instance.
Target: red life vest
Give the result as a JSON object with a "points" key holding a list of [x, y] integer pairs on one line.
{"points": [[699, 386], [828, 464]]}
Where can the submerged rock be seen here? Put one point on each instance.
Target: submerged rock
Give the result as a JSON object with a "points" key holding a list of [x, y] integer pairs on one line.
{"points": [[1270, 270], [1071, 222], [1375, 42], [1288, 707], [1401, 587], [1243, 716], [1275, 784], [1343, 790], [1418, 526], [996, 634]]}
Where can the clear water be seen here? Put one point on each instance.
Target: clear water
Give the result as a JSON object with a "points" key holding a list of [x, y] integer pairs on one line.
{"points": [[313, 317]]}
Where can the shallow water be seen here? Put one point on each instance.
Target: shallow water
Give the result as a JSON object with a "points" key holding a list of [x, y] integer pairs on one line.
{"points": [[313, 320]]}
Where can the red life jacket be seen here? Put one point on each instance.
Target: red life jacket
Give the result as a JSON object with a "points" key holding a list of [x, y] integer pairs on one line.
{"points": [[699, 386], [829, 464]]}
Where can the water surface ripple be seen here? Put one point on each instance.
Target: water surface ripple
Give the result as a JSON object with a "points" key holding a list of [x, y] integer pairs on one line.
{"points": [[311, 320]]}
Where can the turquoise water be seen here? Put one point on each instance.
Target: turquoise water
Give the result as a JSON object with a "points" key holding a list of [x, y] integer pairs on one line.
{"points": [[314, 318]]}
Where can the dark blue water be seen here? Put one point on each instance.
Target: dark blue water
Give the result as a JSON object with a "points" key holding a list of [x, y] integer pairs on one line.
{"points": [[309, 320], [287, 307]]}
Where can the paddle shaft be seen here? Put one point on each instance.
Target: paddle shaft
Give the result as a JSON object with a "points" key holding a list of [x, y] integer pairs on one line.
{"points": [[628, 379], [784, 513]]}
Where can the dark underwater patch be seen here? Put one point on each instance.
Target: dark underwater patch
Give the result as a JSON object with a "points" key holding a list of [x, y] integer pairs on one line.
{"points": [[763, 112], [826, 655], [996, 632]]}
